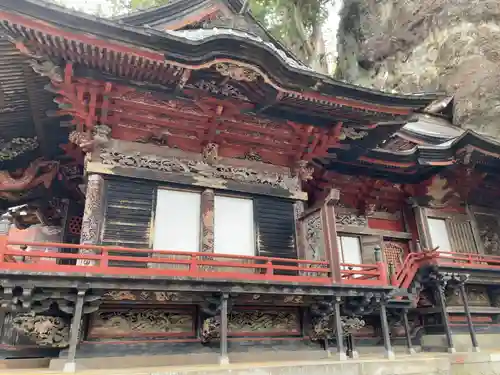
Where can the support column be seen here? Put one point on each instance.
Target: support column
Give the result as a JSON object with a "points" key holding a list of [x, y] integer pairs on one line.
{"points": [[93, 215], [223, 359], [207, 221], [389, 354], [463, 295], [439, 291], [339, 331], [409, 344], [76, 324], [5, 224], [351, 347], [330, 233]]}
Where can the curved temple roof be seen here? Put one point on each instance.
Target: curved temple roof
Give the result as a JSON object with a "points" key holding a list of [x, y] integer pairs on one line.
{"points": [[434, 142], [201, 47]]}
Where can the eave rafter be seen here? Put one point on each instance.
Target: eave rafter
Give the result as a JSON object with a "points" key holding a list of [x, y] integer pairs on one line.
{"points": [[190, 123], [143, 64]]}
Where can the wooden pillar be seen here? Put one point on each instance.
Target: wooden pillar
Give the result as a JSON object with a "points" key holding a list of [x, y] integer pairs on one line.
{"points": [[389, 354], [351, 347], [463, 295], [5, 223], [330, 234], [93, 215], [339, 331], [76, 323], [409, 344], [207, 221], [421, 222], [439, 291], [223, 359]]}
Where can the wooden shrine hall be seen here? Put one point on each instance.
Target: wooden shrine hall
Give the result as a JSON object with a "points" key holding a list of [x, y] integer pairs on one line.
{"points": [[175, 181]]}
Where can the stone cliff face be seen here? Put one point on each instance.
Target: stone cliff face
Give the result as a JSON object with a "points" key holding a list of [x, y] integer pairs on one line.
{"points": [[451, 46]]}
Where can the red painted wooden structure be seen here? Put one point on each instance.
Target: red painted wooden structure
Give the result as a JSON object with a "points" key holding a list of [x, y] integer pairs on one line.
{"points": [[194, 266]]}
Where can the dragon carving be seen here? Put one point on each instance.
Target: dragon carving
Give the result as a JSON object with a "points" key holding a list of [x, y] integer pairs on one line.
{"points": [[39, 172]]}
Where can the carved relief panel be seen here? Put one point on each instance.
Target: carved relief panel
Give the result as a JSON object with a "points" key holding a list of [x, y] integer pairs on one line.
{"points": [[119, 323], [477, 295], [315, 240], [489, 232], [283, 321]]}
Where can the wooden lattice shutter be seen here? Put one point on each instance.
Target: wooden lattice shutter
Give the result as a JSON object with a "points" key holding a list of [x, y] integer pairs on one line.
{"points": [[275, 227], [128, 216], [461, 235]]}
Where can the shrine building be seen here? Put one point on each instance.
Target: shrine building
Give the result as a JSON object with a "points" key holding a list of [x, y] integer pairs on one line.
{"points": [[176, 181]]}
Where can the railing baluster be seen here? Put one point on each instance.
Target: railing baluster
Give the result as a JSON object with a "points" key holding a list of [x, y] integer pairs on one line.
{"points": [[269, 268], [3, 247], [104, 258], [193, 267]]}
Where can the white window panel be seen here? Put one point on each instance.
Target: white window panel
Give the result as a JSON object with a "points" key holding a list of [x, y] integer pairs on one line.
{"points": [[439, 234], [234, 226], [177, 221], [349, 249]]}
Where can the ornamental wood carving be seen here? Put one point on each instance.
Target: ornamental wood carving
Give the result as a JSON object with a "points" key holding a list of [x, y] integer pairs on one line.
{"points": [[315, 239], [267, 321], [236, 72], [489, 230], [130, 323], [40, 172], [476, 296], [47, 331], [92, 215], [125, 295], [199, 169], [351, 219], [16, 147], [207, 221]]}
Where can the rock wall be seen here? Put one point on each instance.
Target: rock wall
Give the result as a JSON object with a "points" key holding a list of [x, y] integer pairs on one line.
{"points": [[406, 46]]}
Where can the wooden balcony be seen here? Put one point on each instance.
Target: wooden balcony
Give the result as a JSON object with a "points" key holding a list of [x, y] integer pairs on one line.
{"points": [[47, 258], [405, 274]]}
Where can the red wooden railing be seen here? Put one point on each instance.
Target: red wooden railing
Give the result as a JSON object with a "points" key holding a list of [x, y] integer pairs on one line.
{"points": [[98, 260], [405, 274]]}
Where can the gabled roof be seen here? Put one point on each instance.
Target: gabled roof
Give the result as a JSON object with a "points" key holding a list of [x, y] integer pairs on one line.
{"points": [[188, 14]]}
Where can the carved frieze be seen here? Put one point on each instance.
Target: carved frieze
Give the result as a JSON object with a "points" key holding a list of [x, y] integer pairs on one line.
{"points": [[129, 323], [264, 321], [476, 296], [16, 147], [489, 230], [14, 184], [236, 72], [350, 219], [48, 331], [143, 296], [199, 169], [315, 249], [214, 87], [350, 133]]}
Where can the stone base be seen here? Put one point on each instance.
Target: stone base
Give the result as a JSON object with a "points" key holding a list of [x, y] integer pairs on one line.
{"points": [[461, 341], [69, 367]]}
